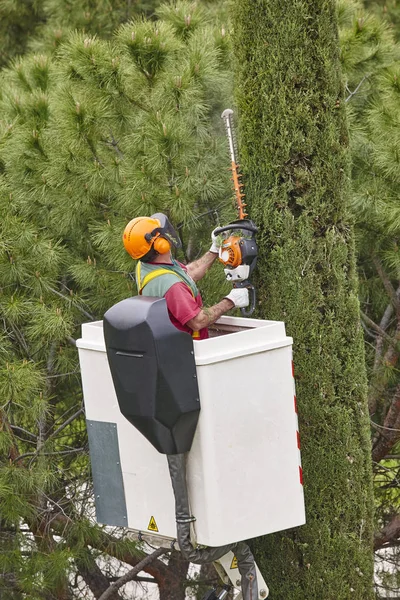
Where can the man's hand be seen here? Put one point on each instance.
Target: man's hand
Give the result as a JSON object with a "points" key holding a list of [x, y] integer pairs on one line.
{"points": [[239, 297], [216, 242]]}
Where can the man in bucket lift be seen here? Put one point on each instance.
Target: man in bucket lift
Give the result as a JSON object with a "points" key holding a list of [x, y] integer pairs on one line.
{"points": [[150, 240]]}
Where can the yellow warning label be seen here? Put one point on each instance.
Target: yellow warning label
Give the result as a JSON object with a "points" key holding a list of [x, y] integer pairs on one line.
{"points": [[234, 564], [152, 526]]}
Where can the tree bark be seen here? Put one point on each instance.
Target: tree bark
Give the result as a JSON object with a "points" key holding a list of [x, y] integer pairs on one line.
{"points": [[94, 577], [172, 586]]}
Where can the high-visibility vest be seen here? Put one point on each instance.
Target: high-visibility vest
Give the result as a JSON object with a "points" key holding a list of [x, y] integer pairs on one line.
{"points": [[141, 283]]}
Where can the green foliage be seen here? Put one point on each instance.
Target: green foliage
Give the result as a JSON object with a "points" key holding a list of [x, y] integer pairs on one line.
{"points": [[373, 100], [90, 137], [42, 25], [184, 17], [18, 21], [387, 10], [294, 142], [112, 126]]}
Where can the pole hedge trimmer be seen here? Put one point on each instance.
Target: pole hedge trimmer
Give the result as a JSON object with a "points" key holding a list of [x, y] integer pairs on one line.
{"points": [[238, 251]]}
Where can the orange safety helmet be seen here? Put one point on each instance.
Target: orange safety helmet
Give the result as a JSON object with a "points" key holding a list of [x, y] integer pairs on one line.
{"points": [[145, 234]]}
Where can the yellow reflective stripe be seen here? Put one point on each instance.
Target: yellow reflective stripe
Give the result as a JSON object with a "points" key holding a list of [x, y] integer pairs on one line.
{"points": [[150, 276], [138, 282], [153, 275]]}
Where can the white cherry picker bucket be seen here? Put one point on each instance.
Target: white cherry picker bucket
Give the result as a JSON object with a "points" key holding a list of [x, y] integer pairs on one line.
{"points": [[244, 471]]}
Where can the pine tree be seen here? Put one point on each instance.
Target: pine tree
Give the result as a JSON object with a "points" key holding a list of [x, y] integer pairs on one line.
{"points": [[41, 25], [18, 21], [99, 133], [294, 142], [89, 139], [93, 17], [388, 10]]}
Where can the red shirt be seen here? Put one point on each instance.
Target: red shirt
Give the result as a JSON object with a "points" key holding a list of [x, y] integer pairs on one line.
{"points": [[182, 307]]}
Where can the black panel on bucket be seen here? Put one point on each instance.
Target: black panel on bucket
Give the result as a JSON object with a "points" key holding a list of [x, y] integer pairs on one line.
{"points": [[154, 372]]}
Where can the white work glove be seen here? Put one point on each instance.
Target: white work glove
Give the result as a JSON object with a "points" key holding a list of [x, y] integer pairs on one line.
{"points": [[216, 242], [239, 297]]}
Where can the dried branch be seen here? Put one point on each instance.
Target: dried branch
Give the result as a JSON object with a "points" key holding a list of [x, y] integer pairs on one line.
{"points": [[389, 432], [5, 425], [389, 535], [114, 144], [24, 431], [93, 576], [384, 323], [377, 384], [108, 544], [73, 302], [391, 292], [391, 341], [133, 572], [66, 423], [49, 437], [351, 94]]}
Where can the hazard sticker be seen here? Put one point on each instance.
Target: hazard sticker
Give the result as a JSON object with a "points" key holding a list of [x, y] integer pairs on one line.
{"points": [[152, 526], [234, 564]]}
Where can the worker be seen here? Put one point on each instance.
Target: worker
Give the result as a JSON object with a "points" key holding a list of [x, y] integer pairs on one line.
{"points": [[150, 240]]}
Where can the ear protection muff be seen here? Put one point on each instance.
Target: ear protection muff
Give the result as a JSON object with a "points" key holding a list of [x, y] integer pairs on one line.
{"points": [[160, 244]]}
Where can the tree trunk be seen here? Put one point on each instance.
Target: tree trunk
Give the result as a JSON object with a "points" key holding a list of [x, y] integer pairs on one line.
{"points": [[93, 576], [172, 586], [294, 155]]}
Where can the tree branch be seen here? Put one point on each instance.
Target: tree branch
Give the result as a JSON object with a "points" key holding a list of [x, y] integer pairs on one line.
{"points": [[24, 431], [46, 439], [392, 341], [389, 433], [391, 292], [66, 423], [357, 88], [384, 323], [108, 544], [93, 576], [5, 425], [389, 535], [133, 572], [68, 299]]}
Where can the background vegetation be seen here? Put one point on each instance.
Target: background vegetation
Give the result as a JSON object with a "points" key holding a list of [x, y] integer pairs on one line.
{"points": [[103, 118]]}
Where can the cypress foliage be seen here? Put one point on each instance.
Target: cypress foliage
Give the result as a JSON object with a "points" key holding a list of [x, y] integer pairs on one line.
{"points": [[294, 143]]}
